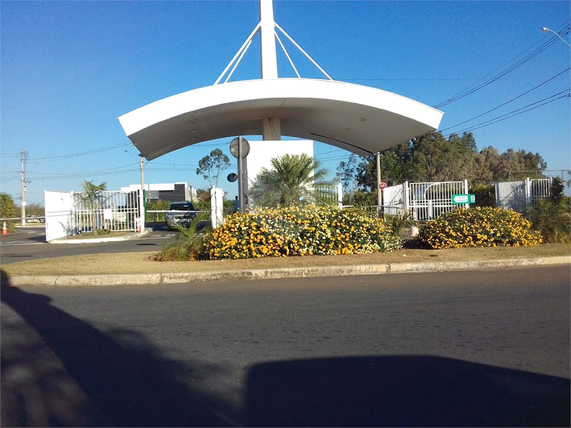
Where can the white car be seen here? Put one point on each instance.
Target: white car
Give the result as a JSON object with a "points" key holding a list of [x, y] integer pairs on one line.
{"points": [[181, 213]]}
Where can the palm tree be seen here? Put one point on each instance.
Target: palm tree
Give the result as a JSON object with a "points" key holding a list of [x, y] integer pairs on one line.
{"points": [[91, 197], [291, 180]]}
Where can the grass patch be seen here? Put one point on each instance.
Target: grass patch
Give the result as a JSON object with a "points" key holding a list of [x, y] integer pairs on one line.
{"points": [[143, 263]]}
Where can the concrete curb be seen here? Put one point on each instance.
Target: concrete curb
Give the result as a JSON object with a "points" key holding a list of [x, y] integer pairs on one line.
{"points": [[71, 240], [304, 272]]}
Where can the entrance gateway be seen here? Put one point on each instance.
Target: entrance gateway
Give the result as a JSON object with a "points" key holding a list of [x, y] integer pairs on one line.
{"points": [[356, 118]]}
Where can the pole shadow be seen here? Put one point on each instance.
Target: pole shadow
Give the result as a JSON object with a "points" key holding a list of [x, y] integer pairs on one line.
{"points": [[125, 387]]}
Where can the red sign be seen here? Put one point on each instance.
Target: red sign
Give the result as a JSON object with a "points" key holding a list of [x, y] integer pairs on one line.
{"points": [[382, 185]]}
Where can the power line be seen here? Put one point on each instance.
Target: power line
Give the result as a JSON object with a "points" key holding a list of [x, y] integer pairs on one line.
{"points": [[74, 155], [473, 88], [124, 169], [529, 107], [507, 102], [400, 79]]}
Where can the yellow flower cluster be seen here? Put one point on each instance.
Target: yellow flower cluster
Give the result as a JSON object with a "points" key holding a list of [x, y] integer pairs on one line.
{"points": [[479, 227], [299, 231]]}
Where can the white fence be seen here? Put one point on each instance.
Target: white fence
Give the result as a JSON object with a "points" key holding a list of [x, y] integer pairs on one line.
{"points": [[424, 201], [517, 195], [70, 213], [330, 193]]}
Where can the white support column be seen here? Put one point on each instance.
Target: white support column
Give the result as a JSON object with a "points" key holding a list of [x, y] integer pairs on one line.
{"points": [[466, 192], [271, 129], [406, 198], [216, 207], [268, 40], [527, 184]]}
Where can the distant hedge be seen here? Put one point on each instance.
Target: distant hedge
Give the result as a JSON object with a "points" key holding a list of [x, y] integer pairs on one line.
{"points": [[479, 227]]}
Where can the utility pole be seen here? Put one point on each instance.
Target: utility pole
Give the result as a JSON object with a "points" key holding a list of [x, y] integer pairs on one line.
{"points": [[23, 156], [142, 195], [240, 176], [379, 191]]}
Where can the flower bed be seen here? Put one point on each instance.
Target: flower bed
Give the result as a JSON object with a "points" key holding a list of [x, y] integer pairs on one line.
{"points": [[296, 231], [479, 227]]}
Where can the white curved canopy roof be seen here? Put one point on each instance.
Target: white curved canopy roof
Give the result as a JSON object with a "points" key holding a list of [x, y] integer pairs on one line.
{"points": [[357, 118]]}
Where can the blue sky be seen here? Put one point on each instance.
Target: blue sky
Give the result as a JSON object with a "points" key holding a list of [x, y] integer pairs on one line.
{"points": [[69, 69]]}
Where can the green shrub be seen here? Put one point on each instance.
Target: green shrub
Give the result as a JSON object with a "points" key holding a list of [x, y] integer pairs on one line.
{"points": [[478, 227], [485, 195], [156, 206], [552, 218], [188, 243], [399, 223], [299, 231]]}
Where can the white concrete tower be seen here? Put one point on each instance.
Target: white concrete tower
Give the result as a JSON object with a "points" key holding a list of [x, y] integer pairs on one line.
{"points": [[271, 129], [268, 41]]}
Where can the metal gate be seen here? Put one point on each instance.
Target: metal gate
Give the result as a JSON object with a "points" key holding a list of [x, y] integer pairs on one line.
{"points": [[329, 194], [424, 201], [112, 211], [517, 195]]}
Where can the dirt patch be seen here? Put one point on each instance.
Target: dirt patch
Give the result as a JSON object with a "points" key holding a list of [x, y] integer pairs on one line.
{"points": [[131, 263]]}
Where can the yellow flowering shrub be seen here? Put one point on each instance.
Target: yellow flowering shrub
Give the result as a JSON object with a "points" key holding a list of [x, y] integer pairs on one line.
{"points": [[298, 231], [479, 227]]}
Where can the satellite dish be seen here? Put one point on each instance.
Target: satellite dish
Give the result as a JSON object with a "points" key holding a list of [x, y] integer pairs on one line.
{"points": [[232, 177], [245, 149]]}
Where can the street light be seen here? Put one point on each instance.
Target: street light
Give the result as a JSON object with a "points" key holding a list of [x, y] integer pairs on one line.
{"points": [[544, 29]]}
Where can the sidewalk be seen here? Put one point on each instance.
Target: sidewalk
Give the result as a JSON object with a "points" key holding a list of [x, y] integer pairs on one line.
{"points": [[270, 268], [274, 273]]}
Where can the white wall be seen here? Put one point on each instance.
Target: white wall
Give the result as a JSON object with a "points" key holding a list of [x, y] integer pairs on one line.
{"points": [[59, 214], [261, 152]]}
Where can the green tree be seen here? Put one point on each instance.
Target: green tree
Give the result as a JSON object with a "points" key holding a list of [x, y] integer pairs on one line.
{"points": [[210, 167], [518, 165], [487, 164], [290, 181], [433, 157], [92, 197], [7, 209], [35, 209], [441, 159], [347, 173], [203, 200], [157, 205]]}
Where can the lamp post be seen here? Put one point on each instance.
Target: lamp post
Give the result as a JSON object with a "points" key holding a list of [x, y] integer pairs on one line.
{"points": [[545, 29], [142, 211]]}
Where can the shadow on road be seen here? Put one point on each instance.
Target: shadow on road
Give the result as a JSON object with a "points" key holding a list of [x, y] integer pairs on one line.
{"points": [[402, 391], [124, 387], [126, 382]]}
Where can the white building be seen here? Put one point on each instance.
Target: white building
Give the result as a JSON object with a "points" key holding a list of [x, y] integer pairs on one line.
{"points": [[171, 192]]}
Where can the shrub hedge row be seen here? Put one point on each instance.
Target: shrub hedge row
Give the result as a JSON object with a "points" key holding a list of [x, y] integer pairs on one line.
{"points": [[299, 231], [479, 227]]}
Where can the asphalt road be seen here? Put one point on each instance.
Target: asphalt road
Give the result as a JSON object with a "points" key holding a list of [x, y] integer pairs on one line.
{"points": [[484, 348], [30, 243]]}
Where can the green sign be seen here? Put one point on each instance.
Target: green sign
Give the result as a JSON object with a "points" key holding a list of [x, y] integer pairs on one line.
{"points": [[464, 199]]}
